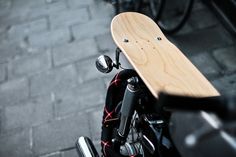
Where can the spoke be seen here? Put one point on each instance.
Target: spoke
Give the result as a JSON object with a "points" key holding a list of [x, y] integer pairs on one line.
{"points": [[134, 136], [152, 7]]}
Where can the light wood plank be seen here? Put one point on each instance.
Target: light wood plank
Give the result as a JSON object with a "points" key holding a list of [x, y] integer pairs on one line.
{"points": [[161, 65]]}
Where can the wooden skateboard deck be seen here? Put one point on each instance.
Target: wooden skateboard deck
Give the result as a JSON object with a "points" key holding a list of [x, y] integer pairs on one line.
{"points": [[160, 64]]}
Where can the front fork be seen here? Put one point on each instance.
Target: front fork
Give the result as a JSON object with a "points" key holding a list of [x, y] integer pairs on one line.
{"points": [[130, 100], [127, 110]]}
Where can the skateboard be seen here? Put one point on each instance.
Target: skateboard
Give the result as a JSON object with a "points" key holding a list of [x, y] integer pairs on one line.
{"points": [[160, 64]]}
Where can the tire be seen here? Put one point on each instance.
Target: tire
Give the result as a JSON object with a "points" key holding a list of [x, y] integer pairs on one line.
{"points": [[153, 8], [174, 15], [127, 5], [168, 14]]}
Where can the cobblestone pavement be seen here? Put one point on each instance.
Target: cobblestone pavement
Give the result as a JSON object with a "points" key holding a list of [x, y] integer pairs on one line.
{"points": [[50, 91]]}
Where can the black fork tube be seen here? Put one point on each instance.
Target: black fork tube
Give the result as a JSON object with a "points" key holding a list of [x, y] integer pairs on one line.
{"points": [[127, 109]]}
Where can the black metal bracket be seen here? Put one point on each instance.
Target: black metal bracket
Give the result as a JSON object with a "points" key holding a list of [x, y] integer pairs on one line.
{"points": [[117, 63]]}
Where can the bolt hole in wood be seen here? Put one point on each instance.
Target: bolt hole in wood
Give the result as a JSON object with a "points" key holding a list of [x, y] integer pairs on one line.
{"points": [[125, 40], [159, 38]]}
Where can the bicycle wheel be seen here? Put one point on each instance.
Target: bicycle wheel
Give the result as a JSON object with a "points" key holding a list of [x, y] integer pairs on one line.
{"points": [[151, 8], [174, 15], [126, 5]]}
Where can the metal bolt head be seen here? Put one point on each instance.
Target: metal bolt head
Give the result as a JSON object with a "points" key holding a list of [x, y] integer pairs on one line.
{"points": [[125, 40]]}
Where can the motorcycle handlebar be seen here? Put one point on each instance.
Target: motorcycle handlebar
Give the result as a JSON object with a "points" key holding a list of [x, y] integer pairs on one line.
{"points": [[224, 106]]}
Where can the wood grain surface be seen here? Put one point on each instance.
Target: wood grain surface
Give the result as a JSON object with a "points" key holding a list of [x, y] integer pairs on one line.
{"points": [[161, 65]]}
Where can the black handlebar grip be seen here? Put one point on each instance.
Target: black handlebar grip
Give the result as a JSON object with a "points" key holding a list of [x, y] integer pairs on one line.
{"points": [[223, 106]]}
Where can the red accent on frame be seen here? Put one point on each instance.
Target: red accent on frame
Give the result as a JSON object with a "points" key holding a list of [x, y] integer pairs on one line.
{"points": [[105, 144]]}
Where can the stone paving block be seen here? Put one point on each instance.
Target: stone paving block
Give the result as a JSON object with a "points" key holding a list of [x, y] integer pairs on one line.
{"points": [[5, 4], [29, 64], [59, 134], [74, 51], [27, 3], [87, 70], [85, 96], [54, 154], [29, 113], [77, 3], [53, 80], [21, 11], [206, 65], [55, 3], [105, 42], [48, 9], [95, 122], [202, 40], [101, 10], [50, 38], [3, 72], [2, 118], [198, 22], [91, 28], [98, 147], [10, 50], [2, 32], [68, 17], [70, 153], [15, 144], [52, 1], [227, 58], [14, 91], [226, 84], [27, 10], [21, 30]]}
